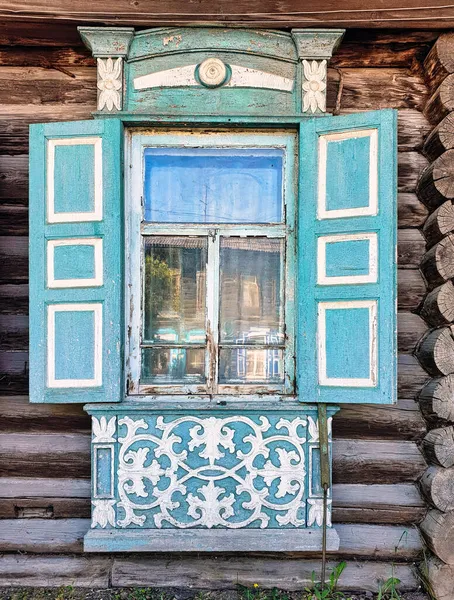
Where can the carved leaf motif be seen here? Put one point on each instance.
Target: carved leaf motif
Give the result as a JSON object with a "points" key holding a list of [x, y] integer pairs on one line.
{"points": [[211, 509], [103, 430], [109, 83], [290, 473], [103, 513], [314, 86], [313, 428], [211, 434], [316, 512]]}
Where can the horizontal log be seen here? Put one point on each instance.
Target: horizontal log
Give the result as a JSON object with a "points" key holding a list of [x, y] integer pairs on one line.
{"points": [[436, 184], [440, 104], [438, 446], [411, 211], [436, 351], [213, 573], [66, 535], [410, 248], [14, 220], [440, 577], [402, 421], [438, 531], [437, 264], [410, 376], [13, 332], [260, 14], [440, 139], [410, 165], [438, 307], [33, 33], [436, 399], [68, 455], [14, 259], [439, 224], [410, 289], [14, 299], [439, 62], [352, 503], [56, 571], [370, 461], [437, 485], [18, 415], [56, 58], [394, 504]]}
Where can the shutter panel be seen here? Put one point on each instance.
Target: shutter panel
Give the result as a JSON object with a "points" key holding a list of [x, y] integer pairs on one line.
{"points": [[76, 256], [346, 348]]}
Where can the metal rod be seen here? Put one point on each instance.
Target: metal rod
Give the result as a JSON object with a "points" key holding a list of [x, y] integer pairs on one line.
{"points": [[325, 478]]}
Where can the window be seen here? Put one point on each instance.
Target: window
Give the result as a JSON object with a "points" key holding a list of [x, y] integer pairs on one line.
{"points": [[211, 254]]}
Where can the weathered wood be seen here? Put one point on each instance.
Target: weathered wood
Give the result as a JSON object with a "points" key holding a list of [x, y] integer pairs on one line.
{"points": [[436, 399], [411, 212], [29, 33], [51, 455], [410, 165], [13, 220], [437, 264], [400, 422], [13, 332], [14, 259], [410, 376], [43, 487], [54, 571], [440, 139], [410, 289], [438, 531], [263, 14], [441, 102], [50, 57], [440, 577], [437, 485], [438, 307], [438, 446], [14, 178], [18, 415], [14, 299], [436, 351], [387, 462], [214, 572], [410, 248], [395, 504], [436, 184], [45, 508], [439, 63], [439, 224]]}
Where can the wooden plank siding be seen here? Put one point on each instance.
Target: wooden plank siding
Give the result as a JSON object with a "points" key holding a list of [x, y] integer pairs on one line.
{"points": [[46, 75]]}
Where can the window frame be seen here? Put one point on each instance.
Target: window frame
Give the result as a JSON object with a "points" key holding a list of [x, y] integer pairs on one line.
{"points": [[139, 139]]}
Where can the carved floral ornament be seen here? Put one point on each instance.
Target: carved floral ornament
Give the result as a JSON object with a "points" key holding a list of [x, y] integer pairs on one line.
{"points": [[231, 472], [314, 86], [109, 83]]}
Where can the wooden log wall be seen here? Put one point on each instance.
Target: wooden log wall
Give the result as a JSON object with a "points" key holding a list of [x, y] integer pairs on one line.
{"points": [[436, 350], [44, 449]]}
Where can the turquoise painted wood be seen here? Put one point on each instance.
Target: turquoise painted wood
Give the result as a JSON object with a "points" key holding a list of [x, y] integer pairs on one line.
{"points": [[156, 469], [76, 262], [346, 341]]}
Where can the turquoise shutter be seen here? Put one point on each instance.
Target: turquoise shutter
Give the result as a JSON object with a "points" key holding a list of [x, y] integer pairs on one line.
{"points": [[76, 255], [346, 349]]}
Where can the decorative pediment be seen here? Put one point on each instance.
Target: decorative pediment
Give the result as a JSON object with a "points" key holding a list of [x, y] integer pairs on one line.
{"points": [[211, 70]]}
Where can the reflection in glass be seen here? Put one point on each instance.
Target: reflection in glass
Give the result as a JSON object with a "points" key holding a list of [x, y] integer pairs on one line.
{"points": [[251, 310], [173, 365], [174, 290], [251, 365], [213, 185]]}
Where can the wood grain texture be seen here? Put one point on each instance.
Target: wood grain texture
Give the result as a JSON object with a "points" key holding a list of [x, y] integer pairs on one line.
{"points": [[440, 104], [438, 446], [438, 531], [436, 183], [439, 62], [437, 264], [438, 307], [437, 485], [437, 399], [263, 14], [436, 351], [440, 139], [410, 248], [441, 577], [439, 224]]}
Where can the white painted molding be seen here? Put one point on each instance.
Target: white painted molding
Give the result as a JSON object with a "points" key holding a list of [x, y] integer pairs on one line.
{"points": [[74, 217], [314, 86], [372, 207], [240, 77], [95, 281], [323, 378], [371, 277], [52, 309]]}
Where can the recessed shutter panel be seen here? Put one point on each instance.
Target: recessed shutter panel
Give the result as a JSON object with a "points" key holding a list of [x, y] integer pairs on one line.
{"points": [[76, 255], [347, 259]]}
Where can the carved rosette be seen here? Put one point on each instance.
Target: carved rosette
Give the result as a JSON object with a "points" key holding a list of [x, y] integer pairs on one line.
{"points": [[314, 86], [110, 83]]}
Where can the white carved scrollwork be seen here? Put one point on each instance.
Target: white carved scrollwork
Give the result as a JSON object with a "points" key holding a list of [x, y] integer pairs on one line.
{"points": [[314, 85], [228, 472], [315, 516], [109, 83]]}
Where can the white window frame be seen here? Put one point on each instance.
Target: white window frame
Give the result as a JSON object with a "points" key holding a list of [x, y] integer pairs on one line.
{"points": [[137, 141]]}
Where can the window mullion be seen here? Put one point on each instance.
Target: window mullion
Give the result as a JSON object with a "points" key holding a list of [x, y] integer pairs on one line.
{"points": [[212, 303]]}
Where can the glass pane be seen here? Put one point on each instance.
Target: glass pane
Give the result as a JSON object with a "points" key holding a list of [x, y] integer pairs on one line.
{"points": [[175, 290], [251, 365], [251, 309], [173, 365], [213, 185]]}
